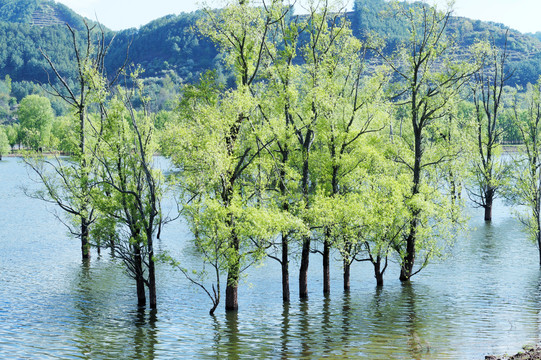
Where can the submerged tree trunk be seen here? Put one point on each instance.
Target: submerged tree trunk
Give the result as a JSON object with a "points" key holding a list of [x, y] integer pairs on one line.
{"points": [[232, 288], [139, 275], [303, 273], [326, 266], [406, 268], [488, 205], [538, 235], [347, 267], [151, 276], [305, 255], [285, 268], [285, 235], [231, 291], [85, 244], [378, 272]]}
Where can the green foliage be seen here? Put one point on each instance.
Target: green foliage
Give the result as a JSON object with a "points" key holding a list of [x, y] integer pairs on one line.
{"points": [[64, 135], [525, 188], [35, 117], [13, 134], [4, 142]]}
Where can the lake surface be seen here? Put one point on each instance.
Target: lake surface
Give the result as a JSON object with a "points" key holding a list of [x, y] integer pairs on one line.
{"points": [[485, 298]]}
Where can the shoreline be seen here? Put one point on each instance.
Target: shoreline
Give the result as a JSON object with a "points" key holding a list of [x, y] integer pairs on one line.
{"points": [[529, 353]]}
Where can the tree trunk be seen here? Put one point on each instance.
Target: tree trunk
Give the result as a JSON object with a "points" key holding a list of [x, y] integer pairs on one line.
{"points": [[152, 281], [409, 260], [347, 267], [139, 276], [539, 244], [232, 288], [231, 291], [488, 205], [285, 268], [85, 244], [303, 273], [378, 273], [326, 267]]}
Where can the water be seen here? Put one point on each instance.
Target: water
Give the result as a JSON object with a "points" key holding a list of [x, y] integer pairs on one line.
{"points": [[485, 298]]}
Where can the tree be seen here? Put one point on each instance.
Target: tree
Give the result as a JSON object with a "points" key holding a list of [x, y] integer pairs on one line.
{"points": [[67, 182], [63, 134], [35, 117], [279, 105], [13, 134], [430, 78], [488, 88], [240, 30], [4, 142], [351, 106], [128, 190], [217, 192], [526, 188]]}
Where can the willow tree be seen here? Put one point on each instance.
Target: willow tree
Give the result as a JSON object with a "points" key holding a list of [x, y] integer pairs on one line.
{"points": [[128, 189], [4, 142], [350, 103], [35, 118], [67, 181], [488, 97], [430, 76], [527, 178], [220, 140], [279, 104], [329, 75]]}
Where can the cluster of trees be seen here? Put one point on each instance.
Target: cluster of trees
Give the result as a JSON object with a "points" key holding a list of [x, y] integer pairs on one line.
{"points": [[319, 148], [324, 143], [107, 188]]}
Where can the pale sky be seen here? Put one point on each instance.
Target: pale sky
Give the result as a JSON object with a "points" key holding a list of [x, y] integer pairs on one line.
{"points": [[522, 15]]}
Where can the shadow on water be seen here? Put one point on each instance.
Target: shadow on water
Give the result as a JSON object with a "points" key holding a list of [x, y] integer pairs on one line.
{"points": [[304, 328], [327, 325], [416, 343], [227, 344], [145, 334], [284, 336], [103, 326], [232, 334], [533, 328], [346, 317], [84, 305]]}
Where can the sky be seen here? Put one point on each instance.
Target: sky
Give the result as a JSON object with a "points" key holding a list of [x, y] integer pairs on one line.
{"points": [[522, 15]]}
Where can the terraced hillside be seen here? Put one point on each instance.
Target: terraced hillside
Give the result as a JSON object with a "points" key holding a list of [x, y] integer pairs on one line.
{"points": [[47, 15]]}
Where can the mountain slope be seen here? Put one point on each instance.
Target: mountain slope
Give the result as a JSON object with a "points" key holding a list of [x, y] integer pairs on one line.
{"points": [[172, 45], [38, 13]]}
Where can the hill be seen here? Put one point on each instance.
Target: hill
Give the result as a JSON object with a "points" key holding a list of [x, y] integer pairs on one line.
{"points": [[376, 16], [168, 44], [170, 47], [26, 26], [39, 13]]}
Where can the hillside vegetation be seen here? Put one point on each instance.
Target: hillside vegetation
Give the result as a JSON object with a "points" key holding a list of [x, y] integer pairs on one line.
{"points": [[171, 48]]}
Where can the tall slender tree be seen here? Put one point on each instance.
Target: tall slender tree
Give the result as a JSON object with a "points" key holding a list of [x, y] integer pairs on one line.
{"points": [[526, 187], [430, 78], [67, 182], [225, 138], [127, 188], [488, 90]]}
